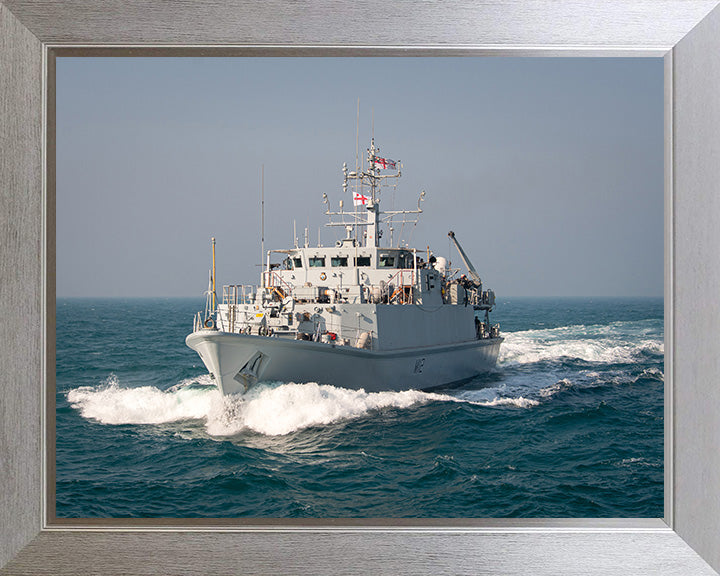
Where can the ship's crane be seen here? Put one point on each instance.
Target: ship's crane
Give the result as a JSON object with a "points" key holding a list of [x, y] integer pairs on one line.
{"points": [[471, 269]]}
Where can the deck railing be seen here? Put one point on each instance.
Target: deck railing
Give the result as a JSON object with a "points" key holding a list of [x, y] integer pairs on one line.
{"points": [[321, 332], [238, 294]]}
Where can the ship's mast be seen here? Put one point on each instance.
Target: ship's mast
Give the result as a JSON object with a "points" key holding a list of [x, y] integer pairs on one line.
{"points": [[369, 181], [373, 208]]}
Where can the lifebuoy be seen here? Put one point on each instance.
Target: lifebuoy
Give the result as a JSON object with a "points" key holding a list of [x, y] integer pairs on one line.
{"points": [[209, 323], [323, 276]]}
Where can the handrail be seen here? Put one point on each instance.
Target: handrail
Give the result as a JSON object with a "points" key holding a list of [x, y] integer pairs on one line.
{"points": [[272, 276], [352, 333]]}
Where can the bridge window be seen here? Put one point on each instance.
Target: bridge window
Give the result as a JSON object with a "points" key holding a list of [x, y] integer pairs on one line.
{"points": [[297, 262], [386, 261], [338, 260], [316, 262], [362, 261], [405, 260]]}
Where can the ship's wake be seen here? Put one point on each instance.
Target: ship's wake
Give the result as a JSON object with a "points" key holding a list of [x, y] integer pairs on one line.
{"points": [[615, 343]]}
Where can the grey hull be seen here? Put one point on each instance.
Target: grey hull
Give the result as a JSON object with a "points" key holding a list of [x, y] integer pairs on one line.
{"points": [[237, 361]]}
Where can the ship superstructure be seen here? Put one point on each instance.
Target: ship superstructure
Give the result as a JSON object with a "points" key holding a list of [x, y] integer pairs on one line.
{"points": [[357, 314]]}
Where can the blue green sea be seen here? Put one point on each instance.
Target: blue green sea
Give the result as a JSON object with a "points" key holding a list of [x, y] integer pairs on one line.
{"points": [[570, 424]]}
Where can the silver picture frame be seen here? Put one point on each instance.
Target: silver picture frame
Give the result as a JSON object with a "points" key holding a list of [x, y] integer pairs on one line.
{"points": [[686, 33]]}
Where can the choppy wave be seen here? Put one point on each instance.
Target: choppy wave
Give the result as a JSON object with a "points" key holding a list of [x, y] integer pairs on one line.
{"points": [[269, 409], [520, 402], [553, 389]]}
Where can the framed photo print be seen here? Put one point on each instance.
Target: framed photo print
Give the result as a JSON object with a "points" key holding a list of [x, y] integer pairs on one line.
{"points": [[501, 347]]}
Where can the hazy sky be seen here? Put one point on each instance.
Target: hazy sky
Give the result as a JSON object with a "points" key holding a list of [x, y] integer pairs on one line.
{"points": [[550, 171]]}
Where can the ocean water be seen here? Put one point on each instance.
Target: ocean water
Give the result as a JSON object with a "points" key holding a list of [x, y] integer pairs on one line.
{"points": [[569, 425]]}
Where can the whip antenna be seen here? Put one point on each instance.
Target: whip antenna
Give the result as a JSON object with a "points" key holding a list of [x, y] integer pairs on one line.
{"points": [[262, 220]]}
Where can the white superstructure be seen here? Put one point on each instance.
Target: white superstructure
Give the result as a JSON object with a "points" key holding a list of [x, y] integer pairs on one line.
{"points": [[357, 314]]}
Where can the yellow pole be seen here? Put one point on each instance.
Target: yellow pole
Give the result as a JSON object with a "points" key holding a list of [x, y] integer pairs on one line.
{"points": [[213, 294]]}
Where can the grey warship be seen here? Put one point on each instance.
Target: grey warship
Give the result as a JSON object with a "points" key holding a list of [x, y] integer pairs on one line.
{"points": [[358, 314]]}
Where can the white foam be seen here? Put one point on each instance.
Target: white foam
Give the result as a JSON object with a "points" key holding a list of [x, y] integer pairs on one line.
{"points": [[281, 409], [520, 402], [491, 397], [653, 373], [112, 404], [589, 343], [635, 462], [553, 389], [268, 409]]}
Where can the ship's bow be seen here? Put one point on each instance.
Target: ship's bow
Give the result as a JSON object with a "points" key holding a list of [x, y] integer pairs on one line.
{"points": [[232, 360]]}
